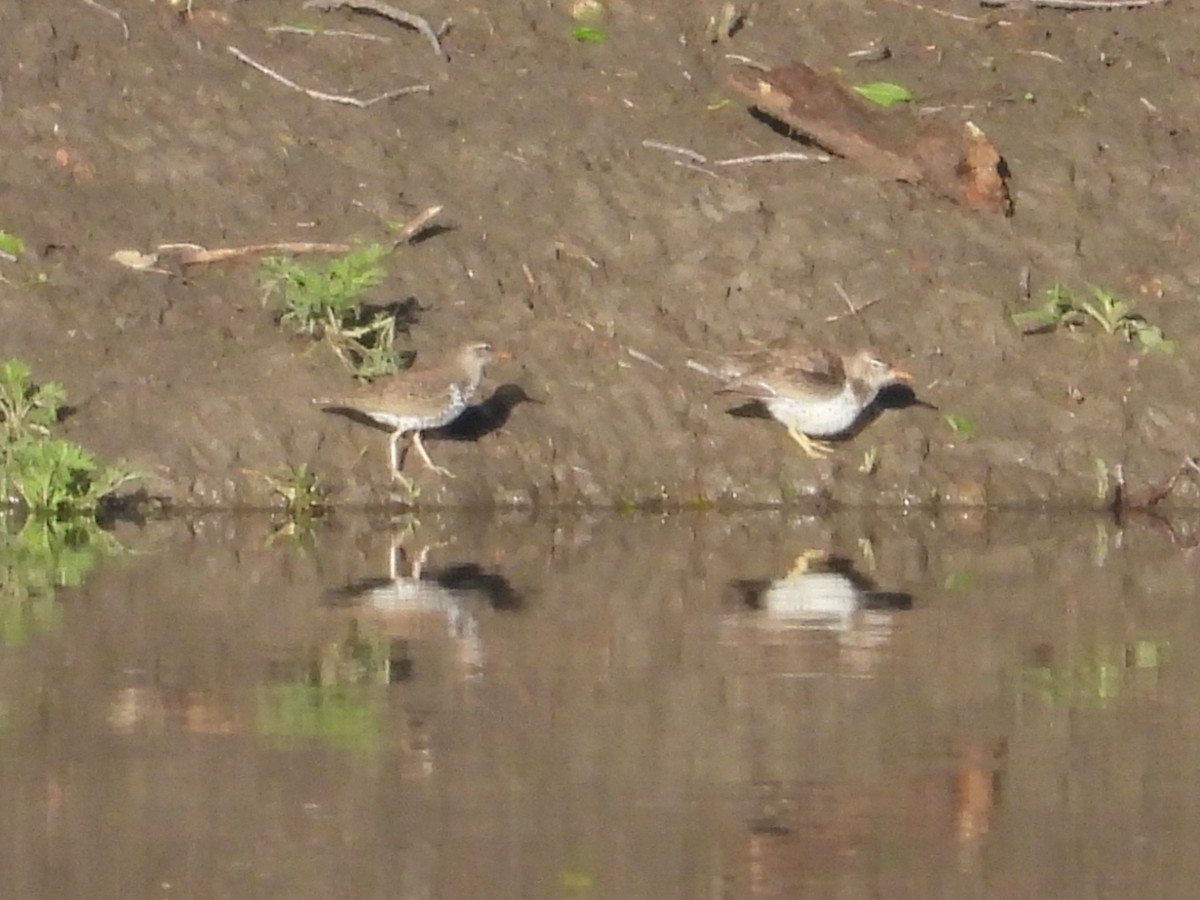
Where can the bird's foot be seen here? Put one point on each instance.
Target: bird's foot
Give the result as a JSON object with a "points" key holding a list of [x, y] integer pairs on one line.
{"points": [[813, 449]]}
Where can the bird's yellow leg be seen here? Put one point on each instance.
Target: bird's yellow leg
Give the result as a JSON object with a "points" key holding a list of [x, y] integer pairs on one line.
{"points": [[813, 449], [416, 442]]}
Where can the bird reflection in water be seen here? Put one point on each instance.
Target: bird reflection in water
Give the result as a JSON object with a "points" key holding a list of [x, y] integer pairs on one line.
{"points": [[821, 597], [427, 603]]}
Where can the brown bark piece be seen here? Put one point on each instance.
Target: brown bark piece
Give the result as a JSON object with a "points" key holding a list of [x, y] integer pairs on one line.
{"points": [[962, 165]]}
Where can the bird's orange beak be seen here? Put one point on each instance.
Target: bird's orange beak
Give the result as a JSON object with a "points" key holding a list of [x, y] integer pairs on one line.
{"points": [[501, 354], [900, 374]]}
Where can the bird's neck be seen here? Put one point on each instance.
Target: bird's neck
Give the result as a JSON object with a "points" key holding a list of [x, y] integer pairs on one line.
{"points": [[855, 389]]}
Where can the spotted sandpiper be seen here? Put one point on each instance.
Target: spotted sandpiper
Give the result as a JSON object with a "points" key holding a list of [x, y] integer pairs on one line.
{"points": [[418, 399], [813, 393]]}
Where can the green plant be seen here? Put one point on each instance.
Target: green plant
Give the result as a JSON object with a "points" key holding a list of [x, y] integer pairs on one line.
{"points": [[1065, 308], [587, 34], [325, 301], [883, 93], [51, 477], [960, 425], [301, 488], [10, 244], [304, 497]]}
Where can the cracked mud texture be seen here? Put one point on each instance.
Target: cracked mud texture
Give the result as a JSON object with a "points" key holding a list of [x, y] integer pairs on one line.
{"points": [[530, 138]]}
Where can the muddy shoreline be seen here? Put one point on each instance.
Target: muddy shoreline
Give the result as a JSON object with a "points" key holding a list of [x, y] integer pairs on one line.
{"points": [[533, 142]]}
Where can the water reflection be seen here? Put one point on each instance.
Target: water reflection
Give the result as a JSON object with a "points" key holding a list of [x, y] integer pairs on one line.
{"points": [[418, 605], [583, 706], [820, 593]]}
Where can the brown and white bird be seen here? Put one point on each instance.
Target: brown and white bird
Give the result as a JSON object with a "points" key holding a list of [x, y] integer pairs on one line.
{"points": [[814, 393], [418, 399]]}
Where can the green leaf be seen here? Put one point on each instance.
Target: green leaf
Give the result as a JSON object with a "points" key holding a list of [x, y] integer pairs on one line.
{"points": [[588, 35], [958, 581], [11, 244], [960, 425], [883, 93]]}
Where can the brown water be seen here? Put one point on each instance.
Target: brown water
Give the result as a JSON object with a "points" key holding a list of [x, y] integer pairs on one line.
{"points": [[575, 707]]}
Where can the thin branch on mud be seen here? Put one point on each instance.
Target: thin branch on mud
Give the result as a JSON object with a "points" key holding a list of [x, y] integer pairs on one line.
{"points": [[652, 144], [321, 95], [648, 360], [327, 32], [110, 12], [416, 226], [746, 60], [388, 12], [570, 250], [1076, 4], [700, 158], [194, 254], [854, 310], [1041, 54], [941, 12], [684, 164], [771, 157]]}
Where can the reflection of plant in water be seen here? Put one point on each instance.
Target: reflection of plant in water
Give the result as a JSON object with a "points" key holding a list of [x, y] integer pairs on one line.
{"points": [[346, 716], [37, 560], [1104, 674], [333, 699]]}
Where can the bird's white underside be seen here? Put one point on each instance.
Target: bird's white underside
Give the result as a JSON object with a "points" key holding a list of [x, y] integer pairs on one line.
{"points": [[820, 418]]}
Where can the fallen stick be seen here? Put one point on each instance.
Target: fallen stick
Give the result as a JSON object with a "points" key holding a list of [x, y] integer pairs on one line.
{"points": [[110, 12], [194, 254], [388, 12], [652, 144], [416, 226], [327, 32], [783, 156], [1076, 4], [959, 163], [322, 95], [700, 158]]}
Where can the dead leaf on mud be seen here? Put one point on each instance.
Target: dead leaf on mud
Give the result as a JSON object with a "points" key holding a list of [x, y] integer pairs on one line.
{"points": [[960, 164], [138, 261]]}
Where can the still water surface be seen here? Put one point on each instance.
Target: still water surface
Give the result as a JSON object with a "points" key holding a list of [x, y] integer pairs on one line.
{"points": [[560, 706]]}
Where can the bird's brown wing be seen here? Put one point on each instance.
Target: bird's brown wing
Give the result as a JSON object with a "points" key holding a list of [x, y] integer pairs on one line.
{"points": [[784, 372], [818, 367], [414, 387]]}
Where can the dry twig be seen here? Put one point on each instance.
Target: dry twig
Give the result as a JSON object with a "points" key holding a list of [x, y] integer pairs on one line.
{"points": [[652, 144], [700, 158], [194, 254], [416, 226], [388, 12], [327, 32], [854, 310], [940, 12], [1076, 4], [322, 95], [110, 12], [783, 156]]}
